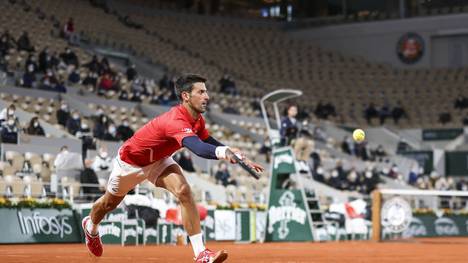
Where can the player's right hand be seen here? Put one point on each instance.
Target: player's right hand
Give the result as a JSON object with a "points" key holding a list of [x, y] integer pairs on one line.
{"points": [[237, 152]]}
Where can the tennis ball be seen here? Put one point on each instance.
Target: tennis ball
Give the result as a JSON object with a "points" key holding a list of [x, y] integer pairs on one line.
{"points": [[359, 135]]}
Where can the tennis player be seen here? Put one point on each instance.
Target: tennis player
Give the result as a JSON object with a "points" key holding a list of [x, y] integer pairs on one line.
{"points": [[147, 155]]}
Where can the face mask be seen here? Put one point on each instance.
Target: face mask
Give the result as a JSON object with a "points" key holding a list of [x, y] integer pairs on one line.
{"points": [[99, 112], [11, 112], [111, 129], [63, 107], [103, 154], [36, 124], [125, 124], [320, 170], [76, 116], [11, 122], [368, 174], [84, 126], [334, 174]]}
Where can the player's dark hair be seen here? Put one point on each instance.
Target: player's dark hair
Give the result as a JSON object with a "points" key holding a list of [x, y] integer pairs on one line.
{"points": [[185, 83]]}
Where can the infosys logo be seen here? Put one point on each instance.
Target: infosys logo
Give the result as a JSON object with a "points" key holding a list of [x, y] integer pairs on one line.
{"points": [[37, 224]]}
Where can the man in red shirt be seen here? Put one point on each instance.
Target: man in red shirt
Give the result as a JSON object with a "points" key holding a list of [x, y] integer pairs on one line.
{"points": [[147, 155]]}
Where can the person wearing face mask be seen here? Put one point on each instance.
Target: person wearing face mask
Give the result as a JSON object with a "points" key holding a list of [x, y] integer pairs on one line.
{"points": [[63, 114], [9, 133], [69, 57], [102, 163], [29, 78], [74, 123], [100, 126], [111, 133], [35, 127], [124, 132], [8, 112]]}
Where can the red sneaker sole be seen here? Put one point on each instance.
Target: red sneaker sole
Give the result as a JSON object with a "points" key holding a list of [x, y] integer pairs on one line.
{"points": [[221, 256]]}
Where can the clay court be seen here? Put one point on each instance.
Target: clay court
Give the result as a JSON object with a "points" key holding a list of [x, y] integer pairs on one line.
{"points": [[421, 250]]}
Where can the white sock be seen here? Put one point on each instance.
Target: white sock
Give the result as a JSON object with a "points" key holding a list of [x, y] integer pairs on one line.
{"points": [[92, 228], [197, 243]]}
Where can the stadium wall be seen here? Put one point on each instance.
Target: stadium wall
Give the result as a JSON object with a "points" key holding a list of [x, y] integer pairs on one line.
{"points": [[444, 38]]}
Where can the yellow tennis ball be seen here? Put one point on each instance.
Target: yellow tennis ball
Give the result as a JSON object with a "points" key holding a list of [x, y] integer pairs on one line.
{"points": [[359, 135]]}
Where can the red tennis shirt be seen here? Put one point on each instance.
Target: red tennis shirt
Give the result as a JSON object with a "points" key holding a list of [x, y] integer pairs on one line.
{"points": [[162, 136]]}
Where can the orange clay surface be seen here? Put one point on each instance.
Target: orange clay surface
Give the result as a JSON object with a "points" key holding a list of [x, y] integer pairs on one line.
{"points": [[419, 250]]}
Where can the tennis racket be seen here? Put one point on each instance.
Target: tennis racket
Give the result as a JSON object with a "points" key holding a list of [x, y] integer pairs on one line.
{"points": [[244, 165]]}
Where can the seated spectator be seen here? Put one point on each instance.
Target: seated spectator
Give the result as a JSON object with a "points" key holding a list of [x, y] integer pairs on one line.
{"points": [[102, 163], [124, 132], [74, 76], [5, 45], [31, 63], [29, 78], [398, 112], [111, 133], [131, 73], [48, 81], [461, 102], [184, 159], [8, 112], [100, 126], [74, 123], [90, 80], [93, 65], [45, 60], [9, 131], [380, 153], [89, 176], [24, 44], [445, 117], [370, 113], [124, 96], [69, 32], [289, 128], [384, 113], [69, 57], [35, 127], [105, 84], [228, 86], [63, 114], [223, 176]]}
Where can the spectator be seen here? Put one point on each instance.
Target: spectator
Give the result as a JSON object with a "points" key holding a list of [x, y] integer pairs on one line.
{"points": [[69, 32], [31, 64], [89, 176], [8, 112], [74, 123], [69, 57], [398, 112], [384, 113], [461, 102], [100, 126], [93, 65], [131, 73], [49, 81], [29, 78], [66, 161], [124, 132], [111, 133], [124, 96], [223, 176], [102, 163], [35, 127], [105, 84], [63, 114], [45, 60], [74, 76], [370, 113], [380, 153], [445, 117], [184, 159], [24, 44], [347, 145], [289, 129], [228, 86], [9, 131]]}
